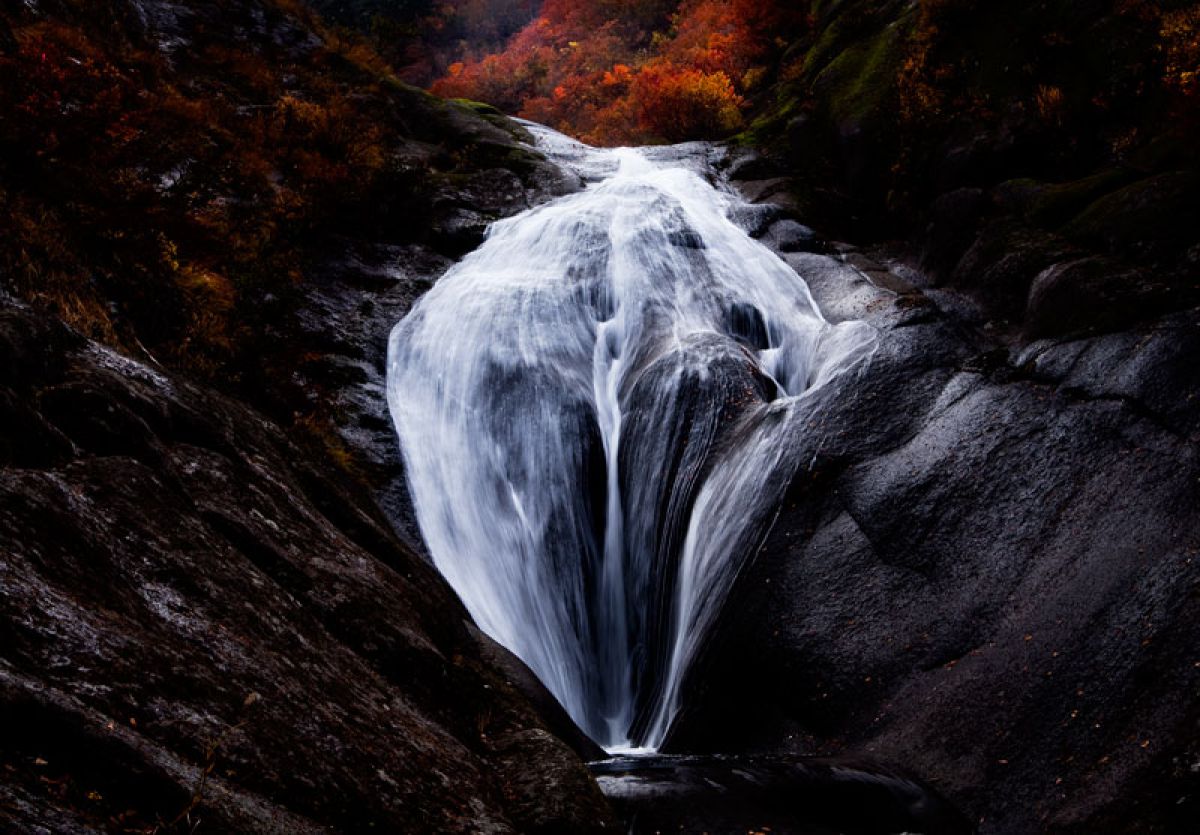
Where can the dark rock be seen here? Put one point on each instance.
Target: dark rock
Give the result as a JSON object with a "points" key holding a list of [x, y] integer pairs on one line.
{"points": [[746, 324], [1050, 205], [756, 219], [498, 191], [8, 43], [1001, 265], [185, 591], [789, 236], [27, 439], [775, 190], [1016, 196], [95, 419], [953, 219], [686, 239], [809, 797], [519, 676], [902, 121], [988, 572], [975, 162], [1089, 293], [749, 165], [1150, 219], [1147, 375], [714, 389], [458, 230]]}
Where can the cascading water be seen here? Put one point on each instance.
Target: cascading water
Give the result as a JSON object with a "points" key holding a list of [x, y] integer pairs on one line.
{"points": [[594, 412]]}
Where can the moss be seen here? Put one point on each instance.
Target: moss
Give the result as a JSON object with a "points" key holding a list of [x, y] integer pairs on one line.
{"points": [[860, 81], [768, 126], [477, 107], [391, 82], [492, 116], [1053, 205], [1153, 216], [522, 160], [848, 65], [823, 52]]}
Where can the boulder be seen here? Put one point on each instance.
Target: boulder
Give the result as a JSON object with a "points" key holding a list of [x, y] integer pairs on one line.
{"points": [[1094, 293]]}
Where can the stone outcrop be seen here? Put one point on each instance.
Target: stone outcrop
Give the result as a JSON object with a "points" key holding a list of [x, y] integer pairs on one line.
{"points": [[987, 571], [203, 621]]}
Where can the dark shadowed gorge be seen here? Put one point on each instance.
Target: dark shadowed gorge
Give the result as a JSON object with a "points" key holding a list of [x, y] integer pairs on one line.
{"points": [[375, 456]]}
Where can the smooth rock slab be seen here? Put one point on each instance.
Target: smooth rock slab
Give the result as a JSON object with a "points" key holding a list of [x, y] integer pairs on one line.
{"points": [[989, 571]]}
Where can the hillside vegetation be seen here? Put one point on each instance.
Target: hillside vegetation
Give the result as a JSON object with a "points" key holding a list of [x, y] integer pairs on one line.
{"points": [[998, 142], [170, 175], [620, 72]]}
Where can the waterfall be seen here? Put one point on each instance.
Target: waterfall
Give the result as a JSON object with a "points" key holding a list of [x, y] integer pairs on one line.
{"points": [[593, 409]]}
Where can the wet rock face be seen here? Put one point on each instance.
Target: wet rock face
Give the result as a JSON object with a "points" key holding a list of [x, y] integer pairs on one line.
{"points": [[989, 572], [183, 590]]}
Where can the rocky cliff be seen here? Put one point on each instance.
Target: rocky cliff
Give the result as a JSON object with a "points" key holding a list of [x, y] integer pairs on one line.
{"points": [[987, 567], [988, 570], [205, 624]]}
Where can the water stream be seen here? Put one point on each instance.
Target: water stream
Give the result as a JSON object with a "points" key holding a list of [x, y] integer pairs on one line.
{"points": [[594, 410]]}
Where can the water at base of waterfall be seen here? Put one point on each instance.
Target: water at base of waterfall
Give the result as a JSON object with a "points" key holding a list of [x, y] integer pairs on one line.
{"points": [[593, 409]]}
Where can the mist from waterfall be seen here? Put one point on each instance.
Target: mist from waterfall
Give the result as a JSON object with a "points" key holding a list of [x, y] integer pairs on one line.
{"points": [[594, 413]]}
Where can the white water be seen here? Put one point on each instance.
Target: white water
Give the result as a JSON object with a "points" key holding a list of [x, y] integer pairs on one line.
{"points": [[593, 411]]}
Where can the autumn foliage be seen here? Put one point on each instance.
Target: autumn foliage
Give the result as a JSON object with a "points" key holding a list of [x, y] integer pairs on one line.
{"points": [[175, 204], [1180, 31], [422, 38], [624, 71]]}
